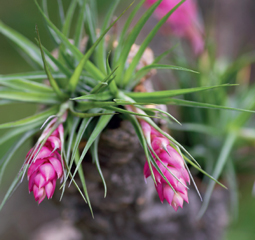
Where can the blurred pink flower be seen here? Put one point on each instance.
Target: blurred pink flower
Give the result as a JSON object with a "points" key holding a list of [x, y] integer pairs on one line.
{"points": [[184, 22], [171, 165], [47, 166]]}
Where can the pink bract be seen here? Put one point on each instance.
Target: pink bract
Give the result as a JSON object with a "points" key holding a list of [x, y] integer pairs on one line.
{"points": [[46, 166], [184, 22], [171, 165]]}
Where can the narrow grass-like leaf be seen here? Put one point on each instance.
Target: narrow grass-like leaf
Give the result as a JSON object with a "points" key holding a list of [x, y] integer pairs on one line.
{"points": [[157, 96], [26, 85], [100, 54], [90, 67], [94, 153], [17, 131], [139, 74], [76, 75], [84, 124], [26, 46], [205, 105], [79, 25], [72, 132], [97, 96], [124, 31], [101, 124], [120, 110], [37, 75], [223, 157], [53, 83], [61, 11], [144, 45], [29, 96], [7, 157], [66, 27], [143, 142], [83, 182], [40, 117], [131, 39], [12, 188], [58, 63], [161, 111]]}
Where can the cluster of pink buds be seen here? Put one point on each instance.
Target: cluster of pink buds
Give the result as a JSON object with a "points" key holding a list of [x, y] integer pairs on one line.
{"points": [[171, 165], [46, 166], [184, 22]]}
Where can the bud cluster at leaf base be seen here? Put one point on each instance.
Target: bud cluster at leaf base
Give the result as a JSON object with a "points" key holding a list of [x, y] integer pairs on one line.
{"points": [[46, 166], [171, 164]]}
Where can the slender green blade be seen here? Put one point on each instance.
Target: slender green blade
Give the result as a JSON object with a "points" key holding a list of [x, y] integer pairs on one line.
{"points": [[37, 118], [53, 83], [36, 75], [97, 96], [100, 55], [205, 105], [29, 48], [90, 67], [76, 75], [144, 45], [94, 153], [223, 157], [26, 85], [29, 96], [131, 39], [101, 124], [157, 96]]}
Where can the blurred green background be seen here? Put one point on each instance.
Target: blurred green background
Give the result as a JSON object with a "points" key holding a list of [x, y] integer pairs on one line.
{"points": [[22, 15]]}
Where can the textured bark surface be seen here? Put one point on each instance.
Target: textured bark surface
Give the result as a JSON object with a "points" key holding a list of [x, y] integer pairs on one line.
{"points": [[132, 209]]}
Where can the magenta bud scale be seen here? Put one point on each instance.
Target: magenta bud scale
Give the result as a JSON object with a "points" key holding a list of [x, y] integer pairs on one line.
{"points": [[171, 164], [46, 166]]}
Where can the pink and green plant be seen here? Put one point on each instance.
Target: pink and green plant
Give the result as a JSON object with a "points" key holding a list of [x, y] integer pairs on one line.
{"points": [[93, 81]]}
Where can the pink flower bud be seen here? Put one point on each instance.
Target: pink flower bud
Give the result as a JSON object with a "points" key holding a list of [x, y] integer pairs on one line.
{"points": [[171, 165], [46, 166]]}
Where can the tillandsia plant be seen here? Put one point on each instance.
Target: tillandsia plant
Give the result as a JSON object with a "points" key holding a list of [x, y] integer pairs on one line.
{"points": [[91, 76]]}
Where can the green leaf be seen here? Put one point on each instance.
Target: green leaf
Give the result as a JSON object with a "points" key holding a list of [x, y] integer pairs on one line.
{"points": [[90, 67], [223, 157], [163, 96], [53, 83], [94, 153], [139, 74], [79, 25], [66, 27], [142, 140], [26, 85], [17, 131], [83, 182], [29, 96], [161, 111], [7, 157], [124, 31], [30, 75], [101, 124], [131, 40], [77, 72], [61, 11], [37, 118], [204, 105], [97, 96], [120, 110], [74, 124], [144, 45], [23, 43], [100, 54], [60, 66]]}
